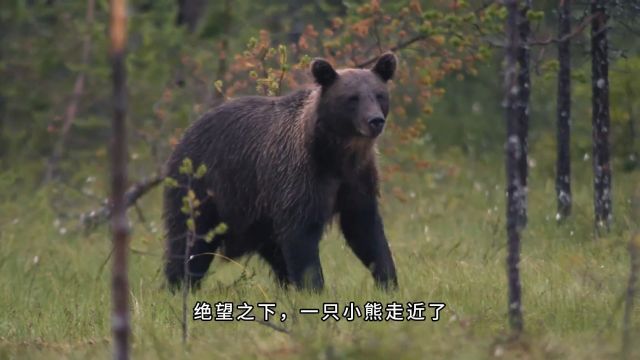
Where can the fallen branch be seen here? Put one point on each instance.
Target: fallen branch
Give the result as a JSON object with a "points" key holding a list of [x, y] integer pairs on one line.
{"points": [[93, 218]]}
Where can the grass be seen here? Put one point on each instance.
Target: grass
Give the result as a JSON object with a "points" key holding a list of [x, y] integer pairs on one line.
{"points": [[448, 241]]}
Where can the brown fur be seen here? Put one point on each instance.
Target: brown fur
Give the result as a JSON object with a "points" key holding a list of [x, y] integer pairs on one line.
{"points": [[280, 169]]}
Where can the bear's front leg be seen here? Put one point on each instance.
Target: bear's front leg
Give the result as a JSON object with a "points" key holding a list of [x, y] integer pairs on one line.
{"points": [[363, 229], [300, 248]]}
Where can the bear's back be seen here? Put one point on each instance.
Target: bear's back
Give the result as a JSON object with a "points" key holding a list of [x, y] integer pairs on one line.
{"points": [[245, 126], [251, 146]]}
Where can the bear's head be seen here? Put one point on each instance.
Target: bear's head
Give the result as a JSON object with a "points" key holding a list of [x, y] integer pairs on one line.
{"points": [[354, 102]]}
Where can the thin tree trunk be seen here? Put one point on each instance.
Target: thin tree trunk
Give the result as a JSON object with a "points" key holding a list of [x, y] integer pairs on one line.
{"points": [[119, 223], [2, 117], [513, 151], [633, 151], [189, 13], [563, 162], [632, 285], [522, 105], [185, 290], [600, 116], [3, 101]]}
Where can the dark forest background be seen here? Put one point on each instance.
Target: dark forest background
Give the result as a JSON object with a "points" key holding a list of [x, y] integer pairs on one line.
{"points": [[178, 50]]}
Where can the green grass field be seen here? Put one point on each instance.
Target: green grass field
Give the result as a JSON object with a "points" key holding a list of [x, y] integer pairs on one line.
{"points": [[448, 241]]}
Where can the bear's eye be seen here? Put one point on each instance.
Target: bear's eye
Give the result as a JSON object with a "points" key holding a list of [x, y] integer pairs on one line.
{"points": [[353, 99], [381, 97]]}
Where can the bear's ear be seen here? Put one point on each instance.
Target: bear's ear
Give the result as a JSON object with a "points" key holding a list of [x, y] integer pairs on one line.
{"points": [[385, 67], [323, 72]]}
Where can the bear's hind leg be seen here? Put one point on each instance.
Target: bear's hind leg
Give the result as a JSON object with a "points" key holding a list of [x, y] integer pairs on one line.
{"points": [[272, 254], [200, 258]]}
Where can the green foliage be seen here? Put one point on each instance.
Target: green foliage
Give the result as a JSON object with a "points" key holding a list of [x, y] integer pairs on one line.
{"points": [[535, 15], [190, 201], [191, 224], [220, 229], [186, 168], [201, 172], [170, 182]]}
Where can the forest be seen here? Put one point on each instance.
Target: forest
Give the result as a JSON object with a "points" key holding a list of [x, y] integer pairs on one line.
{"points": [[507, 178]]}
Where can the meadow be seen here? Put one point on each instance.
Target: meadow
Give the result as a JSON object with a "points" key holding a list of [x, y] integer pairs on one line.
{"points": [[446, 229]]}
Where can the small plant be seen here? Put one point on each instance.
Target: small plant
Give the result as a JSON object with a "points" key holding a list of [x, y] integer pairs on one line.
{"points": [[190, 205]]}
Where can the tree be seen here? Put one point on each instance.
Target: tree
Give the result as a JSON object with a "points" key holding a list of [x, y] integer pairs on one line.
{"points": [[513, 152], [189, 13], [522, 105], [119, 223], [600, 114], [634, 270], [563, 125]]}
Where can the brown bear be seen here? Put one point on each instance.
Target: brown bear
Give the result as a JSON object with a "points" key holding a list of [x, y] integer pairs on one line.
{"points": [[279, 170]]}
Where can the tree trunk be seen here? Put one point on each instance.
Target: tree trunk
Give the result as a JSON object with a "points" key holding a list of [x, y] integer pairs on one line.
{"points": [[522, 105], [189, 13], [3, 101], [513, 152], [563, 162], [632, 284], [634, 160], [119, 223], [600, 115], [2, 116]]}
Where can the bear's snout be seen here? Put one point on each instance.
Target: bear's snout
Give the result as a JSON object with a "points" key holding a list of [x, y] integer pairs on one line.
{"points": [[376, 125]]}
